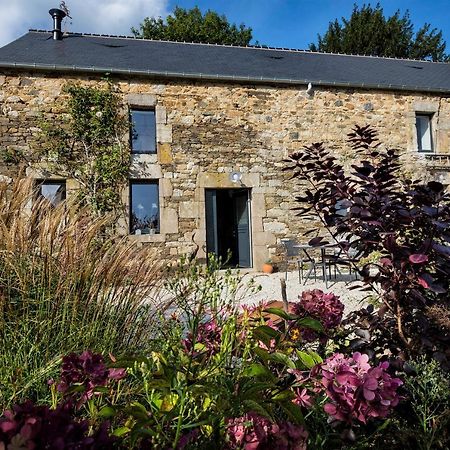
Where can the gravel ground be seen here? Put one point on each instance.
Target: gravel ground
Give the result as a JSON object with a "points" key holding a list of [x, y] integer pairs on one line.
{"points": [[271, 289]]}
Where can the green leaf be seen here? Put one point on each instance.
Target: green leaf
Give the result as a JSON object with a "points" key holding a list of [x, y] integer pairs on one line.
{"points": [[306, 360], [121, 431], [294, 412], [281, 358], [284, 395], [257, 407], [307, 322], [267, 331], [257, 371], [281, 313], [106, 412]]}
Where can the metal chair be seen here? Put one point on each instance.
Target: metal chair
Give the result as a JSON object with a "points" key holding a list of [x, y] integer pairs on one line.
{"points": [[296, 254]]}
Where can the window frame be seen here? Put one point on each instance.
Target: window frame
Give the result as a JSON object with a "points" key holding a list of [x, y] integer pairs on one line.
{"points": [[429, 116], [132, 109], [143, 181], [50, 181]]}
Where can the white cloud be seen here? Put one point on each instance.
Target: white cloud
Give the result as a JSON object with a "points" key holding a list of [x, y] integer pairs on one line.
{"points": [[88, 16]]}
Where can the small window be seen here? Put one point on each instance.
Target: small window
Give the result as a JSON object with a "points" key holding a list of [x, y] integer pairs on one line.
{"points": [[143, 131], [424, 133], [144, 207], [53, 192]]}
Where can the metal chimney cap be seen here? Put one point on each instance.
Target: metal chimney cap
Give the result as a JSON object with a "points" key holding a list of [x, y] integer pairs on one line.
{"points": [[57, 13]]}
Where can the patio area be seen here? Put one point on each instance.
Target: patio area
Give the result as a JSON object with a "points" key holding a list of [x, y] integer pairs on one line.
{"points": [[271, 288]]}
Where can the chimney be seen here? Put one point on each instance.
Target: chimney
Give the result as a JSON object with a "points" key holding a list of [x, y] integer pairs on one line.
{"points": [[58, 15]]}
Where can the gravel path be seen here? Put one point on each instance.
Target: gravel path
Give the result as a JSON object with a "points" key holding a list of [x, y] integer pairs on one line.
{"points": [[271, 289]]}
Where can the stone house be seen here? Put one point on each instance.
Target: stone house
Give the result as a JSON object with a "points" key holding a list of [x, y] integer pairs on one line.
{"points": [[213, 124]]}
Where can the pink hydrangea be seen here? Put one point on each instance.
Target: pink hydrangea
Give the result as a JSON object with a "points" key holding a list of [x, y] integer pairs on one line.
{"points": [[356, 390], [255, 432], [326, 308]]}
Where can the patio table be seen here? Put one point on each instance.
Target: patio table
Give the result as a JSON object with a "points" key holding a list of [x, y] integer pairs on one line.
{"points": [[304, 249]]}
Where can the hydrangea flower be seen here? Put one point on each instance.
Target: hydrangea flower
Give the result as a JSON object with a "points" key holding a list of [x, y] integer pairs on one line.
{"points": [[255, 432], [209, 334], [28, 426], [326, 308], [87, 369], [356, 390]]}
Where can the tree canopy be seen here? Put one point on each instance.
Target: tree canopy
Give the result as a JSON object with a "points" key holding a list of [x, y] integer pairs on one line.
{"points": [[369, 32], [193, 26]]}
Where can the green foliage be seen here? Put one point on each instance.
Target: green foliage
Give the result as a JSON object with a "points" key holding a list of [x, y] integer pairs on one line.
{"points": [[429, 392], [193, 26], [89, 145], [63, 288], [369, 32]]}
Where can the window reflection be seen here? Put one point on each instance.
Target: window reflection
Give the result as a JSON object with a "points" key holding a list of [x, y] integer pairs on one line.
{"points": [[143, 131], [53, 192], [144, 213]]}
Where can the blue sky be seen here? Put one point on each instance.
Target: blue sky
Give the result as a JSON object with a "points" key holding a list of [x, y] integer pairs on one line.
{"points": [[279, 23], [295, 23]]}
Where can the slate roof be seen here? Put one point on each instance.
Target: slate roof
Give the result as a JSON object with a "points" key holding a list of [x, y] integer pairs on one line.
{"points": [[124, 55]]}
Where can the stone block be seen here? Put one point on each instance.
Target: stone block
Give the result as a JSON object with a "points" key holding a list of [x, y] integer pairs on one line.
{"points": [[164, 133], [188, 210], [144, 100], [169, 220], [165, 153]]}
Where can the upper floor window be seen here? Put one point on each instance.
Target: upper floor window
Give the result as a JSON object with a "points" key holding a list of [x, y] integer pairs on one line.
{"points": [[144, 207], [52, 191], [424, 132], [143, 131]]}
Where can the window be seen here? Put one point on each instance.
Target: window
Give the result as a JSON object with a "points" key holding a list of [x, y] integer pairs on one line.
{"points": [[144, 207], [424, 133], [53, 191], [143, 131]]}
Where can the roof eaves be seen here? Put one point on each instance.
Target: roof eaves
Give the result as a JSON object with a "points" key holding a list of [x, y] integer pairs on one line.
{"points": [[219, 77]]}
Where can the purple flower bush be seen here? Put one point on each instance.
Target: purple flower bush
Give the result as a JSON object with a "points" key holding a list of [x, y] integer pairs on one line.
{"points": [[357, 391], [28, 426], [255, 432], [88, 370], [326, 308]]}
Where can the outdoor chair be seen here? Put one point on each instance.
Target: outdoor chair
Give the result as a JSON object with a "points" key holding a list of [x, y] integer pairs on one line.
{"points": [[342, 256], [293, 254]]}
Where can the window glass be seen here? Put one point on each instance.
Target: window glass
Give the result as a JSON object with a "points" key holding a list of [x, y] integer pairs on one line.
{"points": [[423, 127], [143, 131], [52, 191], [144, 213]]}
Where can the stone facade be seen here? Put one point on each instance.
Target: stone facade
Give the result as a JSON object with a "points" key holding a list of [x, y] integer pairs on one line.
{"points": [[207, 130]]}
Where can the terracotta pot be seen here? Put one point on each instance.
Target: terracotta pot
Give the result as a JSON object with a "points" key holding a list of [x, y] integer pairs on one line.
{"points": [[267, 268]]}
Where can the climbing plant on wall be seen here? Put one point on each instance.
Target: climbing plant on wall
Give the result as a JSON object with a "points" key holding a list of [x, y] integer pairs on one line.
{"points": [[88, 146]]}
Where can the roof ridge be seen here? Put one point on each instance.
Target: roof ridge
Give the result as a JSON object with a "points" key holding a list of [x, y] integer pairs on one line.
{"points": [[248, 47]]}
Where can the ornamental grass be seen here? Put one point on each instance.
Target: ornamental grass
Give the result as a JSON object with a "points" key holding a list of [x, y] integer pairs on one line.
{"points": [[66, 285]]}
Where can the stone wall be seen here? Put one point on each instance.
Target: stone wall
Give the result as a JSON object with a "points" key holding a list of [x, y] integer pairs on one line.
{"points": [[207, 130]]}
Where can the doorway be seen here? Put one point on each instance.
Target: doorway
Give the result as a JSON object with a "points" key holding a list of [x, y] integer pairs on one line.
{"points": [[228, 225]]}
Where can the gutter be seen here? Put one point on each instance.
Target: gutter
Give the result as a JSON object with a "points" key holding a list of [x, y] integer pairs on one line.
{"points": [[215, 77]]}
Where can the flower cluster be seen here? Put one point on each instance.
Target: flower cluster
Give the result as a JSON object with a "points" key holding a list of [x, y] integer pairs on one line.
{"points": [[28, 426], [255, 432], [356, 390], [326, 308], [208, 339], [88, 370]]}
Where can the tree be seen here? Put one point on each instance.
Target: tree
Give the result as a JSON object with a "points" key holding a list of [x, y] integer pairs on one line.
{"points": [[407, 223], [369, 32], [88, 145], [192, 26]]}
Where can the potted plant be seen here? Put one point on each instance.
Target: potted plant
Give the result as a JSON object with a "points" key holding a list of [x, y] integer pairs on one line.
{"points": [[267, 266]]}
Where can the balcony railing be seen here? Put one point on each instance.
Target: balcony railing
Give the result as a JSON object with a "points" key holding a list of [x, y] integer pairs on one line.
{"points": [[438, 161]]}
